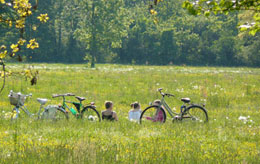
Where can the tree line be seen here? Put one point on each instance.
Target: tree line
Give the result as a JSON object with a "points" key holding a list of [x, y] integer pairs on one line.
{"points": [[125, 32]]}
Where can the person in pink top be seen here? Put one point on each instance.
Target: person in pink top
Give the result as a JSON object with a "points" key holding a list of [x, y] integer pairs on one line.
{"points": [[159, 116]]}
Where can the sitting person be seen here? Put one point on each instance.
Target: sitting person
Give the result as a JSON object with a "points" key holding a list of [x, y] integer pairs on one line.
{"points": [[109, 114], [135, 113], [159, 115]]}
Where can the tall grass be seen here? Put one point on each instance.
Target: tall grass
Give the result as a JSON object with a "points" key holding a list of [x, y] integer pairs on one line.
{"points": [[227, 92]]}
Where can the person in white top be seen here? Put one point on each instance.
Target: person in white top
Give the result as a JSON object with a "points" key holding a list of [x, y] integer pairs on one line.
{"points": [[135, 113]]}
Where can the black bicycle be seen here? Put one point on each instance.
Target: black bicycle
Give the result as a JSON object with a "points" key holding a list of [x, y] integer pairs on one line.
{"points": [[189, 111]]}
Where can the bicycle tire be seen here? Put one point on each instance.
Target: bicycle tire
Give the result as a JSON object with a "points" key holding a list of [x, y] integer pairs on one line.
{"points": [[203, 113], [150, 111], [62, 115], [92, 115], [44, 115]]}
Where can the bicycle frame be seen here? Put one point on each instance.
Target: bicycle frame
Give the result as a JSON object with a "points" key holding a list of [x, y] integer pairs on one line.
{"points": [[78, 105], [24, 109], [184, 111], [166, 106], [65, 106]]}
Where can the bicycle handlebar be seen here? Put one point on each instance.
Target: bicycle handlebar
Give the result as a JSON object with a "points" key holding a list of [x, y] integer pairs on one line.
{"points": [[62, 95], [169, 95], [164, 94], [20, 94]]}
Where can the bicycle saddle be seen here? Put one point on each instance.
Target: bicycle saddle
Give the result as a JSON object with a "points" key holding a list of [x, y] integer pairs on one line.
{"points": [[80, 98], [42, 101], [185, 100]]}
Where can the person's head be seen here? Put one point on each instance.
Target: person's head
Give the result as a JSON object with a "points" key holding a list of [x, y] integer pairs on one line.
{"points": [[157, 102], [109, 105], [136, 105], [132, 105]]}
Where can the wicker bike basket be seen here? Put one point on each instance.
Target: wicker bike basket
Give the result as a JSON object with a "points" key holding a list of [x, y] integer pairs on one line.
{"points": [[17, 98]]}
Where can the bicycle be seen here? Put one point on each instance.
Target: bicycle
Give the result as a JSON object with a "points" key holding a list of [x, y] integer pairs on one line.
{"points": [[157, 112], [87, 112], [18, 100]]}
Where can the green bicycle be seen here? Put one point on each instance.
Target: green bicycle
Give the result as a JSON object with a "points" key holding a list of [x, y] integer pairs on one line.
{"points": [[87, 112], [157, 112]]}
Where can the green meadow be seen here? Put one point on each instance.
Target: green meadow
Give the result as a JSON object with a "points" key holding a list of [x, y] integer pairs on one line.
{"points": [[231, 97]]}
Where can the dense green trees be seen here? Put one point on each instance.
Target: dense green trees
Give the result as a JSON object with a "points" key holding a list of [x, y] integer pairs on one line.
{"points": [[124, 31], [102, 27]]}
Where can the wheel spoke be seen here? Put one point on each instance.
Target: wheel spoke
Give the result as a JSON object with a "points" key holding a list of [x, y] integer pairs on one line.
{"points": [[90, 114], [196, 113], [54, 113]]}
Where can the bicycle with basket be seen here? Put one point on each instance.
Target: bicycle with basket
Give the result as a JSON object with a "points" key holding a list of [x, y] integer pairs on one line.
{"points": [[49, 112]]}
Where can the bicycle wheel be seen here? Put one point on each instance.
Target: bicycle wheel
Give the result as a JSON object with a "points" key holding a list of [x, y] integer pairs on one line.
{"points": [[91, 114], [60, 115], [54, 113], [153, 114], [195, 113]]}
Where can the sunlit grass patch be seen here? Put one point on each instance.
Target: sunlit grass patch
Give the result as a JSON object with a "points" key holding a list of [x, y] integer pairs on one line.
{"points": [[231, 96]]}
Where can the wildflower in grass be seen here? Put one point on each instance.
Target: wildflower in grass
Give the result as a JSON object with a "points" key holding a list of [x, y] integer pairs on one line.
{"points": [[217, 86], [242, 118], [195, 87], [8, 115], [179, 90], [205, 100], [213, 93], [153, 12]]}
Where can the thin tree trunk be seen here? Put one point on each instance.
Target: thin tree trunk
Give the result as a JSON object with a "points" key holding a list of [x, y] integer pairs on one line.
{"points": [[93, 42]]}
